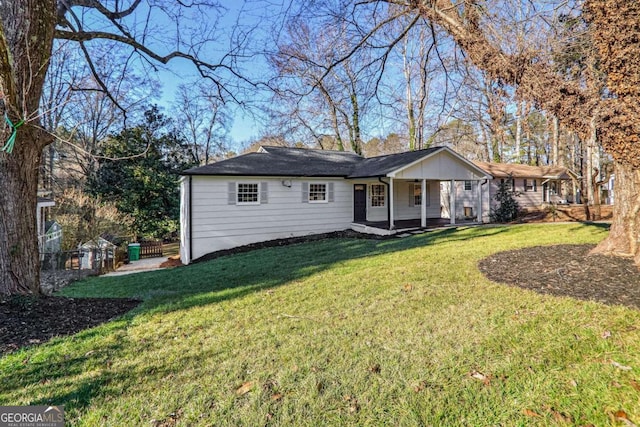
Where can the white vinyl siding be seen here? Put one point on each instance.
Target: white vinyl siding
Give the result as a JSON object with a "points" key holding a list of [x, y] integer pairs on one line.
{"points": [[218, 225], [467, 199]]}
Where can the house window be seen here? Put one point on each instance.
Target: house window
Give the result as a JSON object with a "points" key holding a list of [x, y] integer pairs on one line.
{"points": [[530, 185], [467, 185], [317, 193], [509, 184], [248, 193], [377, 195], [417, 194]]}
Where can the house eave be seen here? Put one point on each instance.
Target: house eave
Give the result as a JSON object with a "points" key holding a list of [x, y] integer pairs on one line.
{"points": [[481, 172], [269, 175]]}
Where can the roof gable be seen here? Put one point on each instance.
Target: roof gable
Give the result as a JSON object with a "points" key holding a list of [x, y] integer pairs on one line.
{"points": [[384, 165]]}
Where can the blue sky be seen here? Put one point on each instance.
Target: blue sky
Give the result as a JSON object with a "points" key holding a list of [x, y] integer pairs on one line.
{"points": [[237, 16]]}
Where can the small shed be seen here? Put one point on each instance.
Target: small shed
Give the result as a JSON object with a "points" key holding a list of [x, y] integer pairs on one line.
{"points": [[96, 254]]}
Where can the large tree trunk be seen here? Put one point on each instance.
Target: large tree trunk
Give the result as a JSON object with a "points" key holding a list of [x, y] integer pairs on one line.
{"points": [[625, 227], [19, 255], [26, 38]]}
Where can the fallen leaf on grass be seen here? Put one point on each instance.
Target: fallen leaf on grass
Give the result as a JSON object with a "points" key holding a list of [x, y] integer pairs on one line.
{"points": [[276, 397], [635, 385], [606, 334], [558, 416], [354, 406], [480, 376], [408, 287], [531, 413], [620, 366], [421, 386], [375, 369], [622, 416], [245, 388]]}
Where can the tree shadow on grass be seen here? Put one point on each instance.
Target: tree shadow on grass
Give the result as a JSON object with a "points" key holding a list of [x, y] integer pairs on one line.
{"points": [[206, 283], [239, 275]]}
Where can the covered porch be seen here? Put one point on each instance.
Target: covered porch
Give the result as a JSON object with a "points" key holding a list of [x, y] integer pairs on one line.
{"points": [[421, 194], [381, 228]]}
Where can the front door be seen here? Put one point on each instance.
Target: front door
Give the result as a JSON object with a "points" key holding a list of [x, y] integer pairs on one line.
{"points": [[359, 202]]}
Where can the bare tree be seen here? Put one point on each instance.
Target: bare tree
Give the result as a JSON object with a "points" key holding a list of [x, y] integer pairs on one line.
{"points": [[521, 56], [613, 28], [81, 115], [322, 101], [27, 33], [203, 120]]}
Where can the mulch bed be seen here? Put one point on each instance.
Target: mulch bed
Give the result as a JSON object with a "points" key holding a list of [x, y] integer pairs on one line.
{"points": [[567, 270], [29, 320]]}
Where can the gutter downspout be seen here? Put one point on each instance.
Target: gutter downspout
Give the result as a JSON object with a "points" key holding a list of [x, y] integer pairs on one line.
{"points": [[388, 204], [190, 219], [480, 214]]}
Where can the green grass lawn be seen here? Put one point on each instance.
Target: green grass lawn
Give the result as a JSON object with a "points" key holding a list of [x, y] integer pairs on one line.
{"points": [[343, 332]]}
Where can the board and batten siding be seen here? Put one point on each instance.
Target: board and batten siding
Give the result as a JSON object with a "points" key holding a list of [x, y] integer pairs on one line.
{"points": [[219, 223]]}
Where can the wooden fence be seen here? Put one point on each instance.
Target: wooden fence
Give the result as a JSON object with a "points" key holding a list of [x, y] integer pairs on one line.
{"points": [[98, 260], [150, 248]]}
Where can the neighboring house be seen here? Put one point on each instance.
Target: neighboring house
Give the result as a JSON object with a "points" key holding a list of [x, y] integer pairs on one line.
{"points": [[535, 185], [41, 224], [287, 192], [607, 190], [52, 238]]}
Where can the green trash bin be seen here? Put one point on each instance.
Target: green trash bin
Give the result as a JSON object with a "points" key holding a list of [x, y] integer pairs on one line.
{"points": [[134, 251]]}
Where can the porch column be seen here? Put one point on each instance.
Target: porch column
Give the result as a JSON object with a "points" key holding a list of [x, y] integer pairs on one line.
{"points": [[452, 202], [479, 194], [391, 225], [423, 204]]}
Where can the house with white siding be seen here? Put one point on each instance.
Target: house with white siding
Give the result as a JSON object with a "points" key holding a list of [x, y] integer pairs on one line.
{"points": [[280, 192]]}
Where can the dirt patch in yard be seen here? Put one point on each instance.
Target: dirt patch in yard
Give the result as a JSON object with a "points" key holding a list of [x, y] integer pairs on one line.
{"points": [[29, 320], [567, 270]]}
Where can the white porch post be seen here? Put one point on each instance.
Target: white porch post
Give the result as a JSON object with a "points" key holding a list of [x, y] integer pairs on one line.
{"points": [[391, 226], [452, 202], [479, 194], [423, 204]]}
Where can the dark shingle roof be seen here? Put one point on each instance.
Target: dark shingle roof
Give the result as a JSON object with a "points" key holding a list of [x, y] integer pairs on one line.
{"points": [[382, 165], [283, 161]]}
